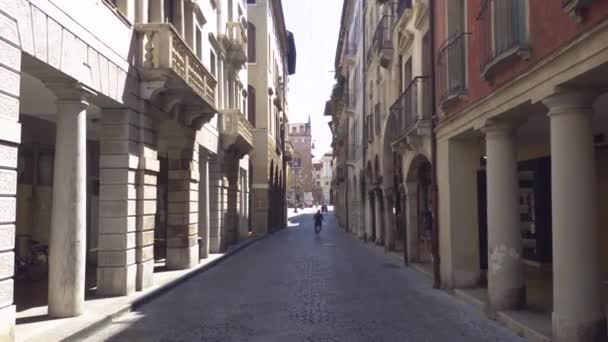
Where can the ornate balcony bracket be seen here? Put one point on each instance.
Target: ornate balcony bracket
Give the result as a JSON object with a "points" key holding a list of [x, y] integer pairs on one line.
{"points": [[234, 41], [237, 132], [420, 11], [413, 139], [499, 62]]}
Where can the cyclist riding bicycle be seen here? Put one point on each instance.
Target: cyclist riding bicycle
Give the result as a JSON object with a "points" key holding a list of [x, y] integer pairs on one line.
{"points": [[318, 222]]}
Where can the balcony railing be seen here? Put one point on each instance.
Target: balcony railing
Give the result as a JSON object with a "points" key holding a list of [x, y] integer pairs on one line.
{"points": [[166, 54], [235, 41], [382, 44], [353, 153], [237, 131], [412, 106], [502, 32], [451, 68]]}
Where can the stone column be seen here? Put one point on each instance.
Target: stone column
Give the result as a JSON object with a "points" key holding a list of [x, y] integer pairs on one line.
{"points": [[203, 205], [67, 240], [577, 300], [231, 170], [260, 207], [215, 205], [379, 208], [243, 224], [389, 230], [119, 159], [411, 222], [506, 288], [369, 218], [146, 182], [10, 137], [458, 161], [182, 226]]}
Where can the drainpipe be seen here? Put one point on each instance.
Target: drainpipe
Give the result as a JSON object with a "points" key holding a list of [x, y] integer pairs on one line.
{"points": [[347, 177], [436, 257], [364, 143]]}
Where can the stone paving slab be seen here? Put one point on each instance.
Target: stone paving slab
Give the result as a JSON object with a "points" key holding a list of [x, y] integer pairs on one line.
{"points": [[295, 287], [100, 312]]}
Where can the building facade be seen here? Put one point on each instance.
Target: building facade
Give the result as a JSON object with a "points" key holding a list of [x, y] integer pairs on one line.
{"points": [[483, 150], [125, 140], [300, 138], [347, 107], [271, 61], [324, 177]]}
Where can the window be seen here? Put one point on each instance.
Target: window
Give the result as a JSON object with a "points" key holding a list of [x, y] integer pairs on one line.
{"points": [[169, 6], [326, 183], [199, 43], [251, 104], [294, 129], [251, 47], [451, 61], [212, 63], [251, 2], [503, 30]]}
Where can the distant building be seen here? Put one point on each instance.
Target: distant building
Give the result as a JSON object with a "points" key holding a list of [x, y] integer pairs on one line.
{"points": [[300, 137]]}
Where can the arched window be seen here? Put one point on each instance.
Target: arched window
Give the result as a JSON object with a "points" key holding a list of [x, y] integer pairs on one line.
{"points": [[251, 104], [251, 48]]}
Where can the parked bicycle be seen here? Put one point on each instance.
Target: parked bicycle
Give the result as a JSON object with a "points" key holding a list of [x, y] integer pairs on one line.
{"points": [[34, 265]]}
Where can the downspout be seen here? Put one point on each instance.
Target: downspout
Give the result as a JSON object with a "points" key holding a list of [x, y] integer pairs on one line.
{"points": [[364, 142], [436, 257], [347, 177]]}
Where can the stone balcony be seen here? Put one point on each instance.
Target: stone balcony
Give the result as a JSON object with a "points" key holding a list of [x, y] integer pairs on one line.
{"points": [[237, 132], [410, 118], [234, 41], [170, 67]]}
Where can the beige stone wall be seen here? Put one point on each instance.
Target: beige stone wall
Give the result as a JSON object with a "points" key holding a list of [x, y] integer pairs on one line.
{"points": [[10, 137]]}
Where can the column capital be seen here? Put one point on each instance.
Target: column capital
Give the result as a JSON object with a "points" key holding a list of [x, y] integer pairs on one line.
{"points": [[499, 127], [70, 92], [571, 101]]}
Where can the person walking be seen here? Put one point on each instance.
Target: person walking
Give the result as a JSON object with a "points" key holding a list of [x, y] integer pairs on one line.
{"points": [[318, 218]]}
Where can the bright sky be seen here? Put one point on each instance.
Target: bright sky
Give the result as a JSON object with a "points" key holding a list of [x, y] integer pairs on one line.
{"points": [[315, 25]]}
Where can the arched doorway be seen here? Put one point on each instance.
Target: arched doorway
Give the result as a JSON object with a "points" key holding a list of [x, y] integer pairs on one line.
{"points": [[419, 217]]}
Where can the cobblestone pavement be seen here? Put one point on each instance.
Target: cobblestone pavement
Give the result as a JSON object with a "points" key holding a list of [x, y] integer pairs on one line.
{"points": [[292, 286]]}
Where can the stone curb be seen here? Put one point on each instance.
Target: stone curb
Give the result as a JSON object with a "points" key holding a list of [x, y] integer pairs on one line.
{"points": [[153, 294]]}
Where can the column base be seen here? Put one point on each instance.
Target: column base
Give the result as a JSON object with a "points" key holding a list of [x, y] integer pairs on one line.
{"points": [[243, 229], [575, 329], [214, 245], [7, 323], [203, 249], [145, 275], [116, 281], [507, 298], [182, 258]]}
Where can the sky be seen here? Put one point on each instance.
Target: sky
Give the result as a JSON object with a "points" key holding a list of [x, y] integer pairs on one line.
{"points": [[315, 25]]}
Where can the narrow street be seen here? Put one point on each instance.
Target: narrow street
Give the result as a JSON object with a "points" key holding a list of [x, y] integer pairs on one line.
{"points": [[292, 286]]}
